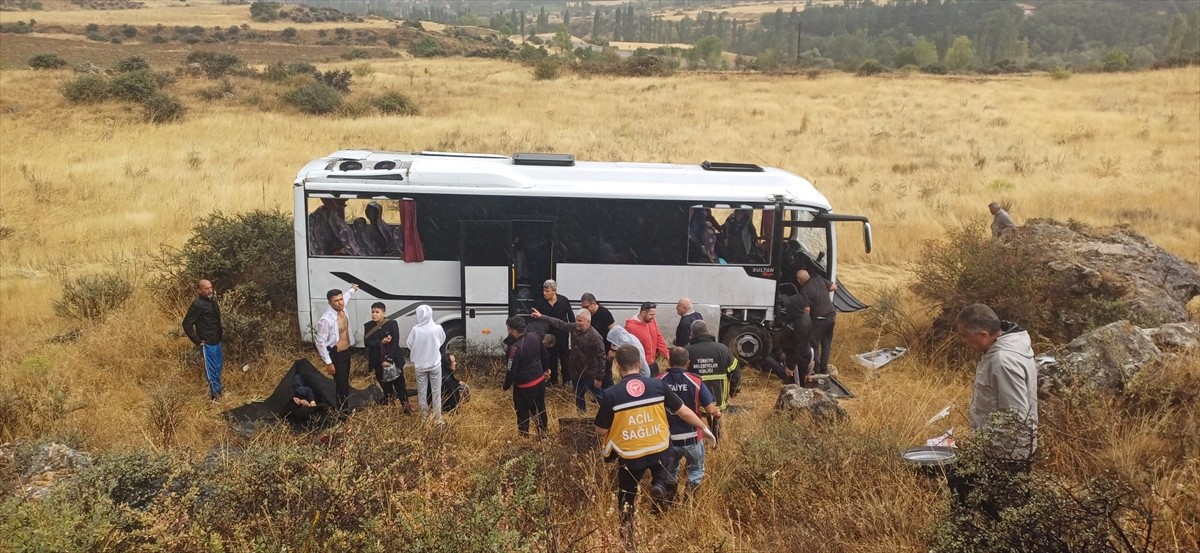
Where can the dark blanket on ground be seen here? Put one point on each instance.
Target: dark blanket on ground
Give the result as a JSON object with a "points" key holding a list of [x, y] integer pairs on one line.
{"points": [[280, 406]]}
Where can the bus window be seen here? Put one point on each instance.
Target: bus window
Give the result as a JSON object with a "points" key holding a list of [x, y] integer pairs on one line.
{"points": [[357, 227], [744, 238], [805, 247]]}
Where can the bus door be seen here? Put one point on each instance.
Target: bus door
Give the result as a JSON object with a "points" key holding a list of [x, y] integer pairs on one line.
{"points": [[486, 258], [533, 262]]}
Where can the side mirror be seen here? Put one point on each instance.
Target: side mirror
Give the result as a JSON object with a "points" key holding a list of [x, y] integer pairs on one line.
{"points": [[867, 235]]}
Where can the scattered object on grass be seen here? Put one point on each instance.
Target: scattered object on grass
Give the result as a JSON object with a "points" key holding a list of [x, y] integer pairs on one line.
{"points": [[880, 357]]}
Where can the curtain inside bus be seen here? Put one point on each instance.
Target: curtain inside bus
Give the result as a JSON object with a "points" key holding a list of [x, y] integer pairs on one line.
{"points": [[413, 251]]}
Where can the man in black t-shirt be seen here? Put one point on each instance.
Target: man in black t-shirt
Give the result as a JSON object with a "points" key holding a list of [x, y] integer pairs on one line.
{"points": [[816, 290]]}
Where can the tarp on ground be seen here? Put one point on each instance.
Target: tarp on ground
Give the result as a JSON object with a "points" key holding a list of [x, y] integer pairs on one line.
{"points": [[280, 406]]}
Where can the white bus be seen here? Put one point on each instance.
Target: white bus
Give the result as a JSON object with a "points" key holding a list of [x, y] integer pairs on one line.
{"points": [[474, 236]]}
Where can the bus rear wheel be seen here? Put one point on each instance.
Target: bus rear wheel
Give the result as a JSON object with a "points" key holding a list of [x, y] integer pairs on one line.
{"points": [[456, 338], [749, 343]]}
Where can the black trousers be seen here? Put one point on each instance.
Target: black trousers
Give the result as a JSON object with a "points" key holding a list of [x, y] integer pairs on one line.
{"points": [[630, 472], [530, 404], [559, 356], [822, 341], [395, 389], [341, 375]]}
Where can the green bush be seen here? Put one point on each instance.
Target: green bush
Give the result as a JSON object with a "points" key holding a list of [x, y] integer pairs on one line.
{"points": [[47, 61], [246, 254], [356, 54], [87, 89], [314, 98], [129, 31], [338, 80], [132, 63], [870, 67], [546, 70], [162, 108], [219, 91], [91, 298], [288, 33], [264, 11], [970, 267], [427, 48], [395, 103], [215, 65], [1060, 74], [135, 86]]}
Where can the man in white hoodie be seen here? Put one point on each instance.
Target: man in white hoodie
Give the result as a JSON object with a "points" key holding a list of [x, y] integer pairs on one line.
{"points": [[425, 351], [1004, 402]]}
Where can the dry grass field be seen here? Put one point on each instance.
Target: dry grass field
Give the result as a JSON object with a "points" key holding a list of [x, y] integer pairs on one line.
{"points": [[94, 189], [739, 10]]}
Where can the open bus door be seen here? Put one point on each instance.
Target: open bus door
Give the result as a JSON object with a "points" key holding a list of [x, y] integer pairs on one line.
{"points": [[485, 256], [799, 254]]}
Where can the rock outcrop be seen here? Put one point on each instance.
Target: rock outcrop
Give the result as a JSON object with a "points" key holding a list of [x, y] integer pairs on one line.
{"points": [[1109, 357], [819, 405], [1116, 262]]}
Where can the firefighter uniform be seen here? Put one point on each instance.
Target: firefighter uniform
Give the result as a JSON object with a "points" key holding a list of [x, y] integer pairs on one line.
{"points": [[717, 367]]}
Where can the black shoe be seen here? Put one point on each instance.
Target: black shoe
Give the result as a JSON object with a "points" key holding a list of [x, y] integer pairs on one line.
{"points": [[659, 494]]}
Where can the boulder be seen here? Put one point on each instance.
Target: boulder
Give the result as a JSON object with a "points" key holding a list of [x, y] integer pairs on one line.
{"points": [[55, 457], [1102, 359], [1118, 263], [819, 405], [1176, 336]]}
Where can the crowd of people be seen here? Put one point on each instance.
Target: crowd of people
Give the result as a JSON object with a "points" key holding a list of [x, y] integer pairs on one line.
{"points": [[648, 420]]}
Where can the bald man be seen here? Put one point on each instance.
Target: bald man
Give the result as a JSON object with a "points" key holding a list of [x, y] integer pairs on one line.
{"points": [[816, 291], [202, 324], [687, 316], [1002, 223], [588, 357]]}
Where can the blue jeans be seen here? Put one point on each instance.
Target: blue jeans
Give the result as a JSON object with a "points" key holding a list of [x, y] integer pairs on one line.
{"points": [[214, 361], [584, 384], [695, 461]]}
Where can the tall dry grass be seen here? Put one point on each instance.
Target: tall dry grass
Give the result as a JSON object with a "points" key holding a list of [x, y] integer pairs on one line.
{"points": [[95, 190]]}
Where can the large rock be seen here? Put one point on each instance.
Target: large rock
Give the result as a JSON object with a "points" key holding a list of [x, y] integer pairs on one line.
{"points": [[1116, 262], [819, 405], [1103, 359], [56, 457], [1176, 336]]}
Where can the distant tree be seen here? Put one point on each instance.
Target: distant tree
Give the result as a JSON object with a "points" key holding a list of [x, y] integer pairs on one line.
{"points": [[289, 33], [596, 25], [562, 41], [1116, 60], [961, 54], [708, 50], [1175, 37]]}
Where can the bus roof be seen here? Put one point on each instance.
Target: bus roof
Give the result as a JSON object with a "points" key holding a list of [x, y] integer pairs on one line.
{"points": [[485, 174]]}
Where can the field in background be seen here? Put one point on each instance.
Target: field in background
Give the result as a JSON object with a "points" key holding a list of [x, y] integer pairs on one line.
{"points": [[94, 189]]}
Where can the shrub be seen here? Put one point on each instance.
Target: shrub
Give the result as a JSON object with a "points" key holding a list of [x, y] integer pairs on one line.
{"points": [[135, 86], [360, 106], [219, 91], [427, 48], [338, 80], [546, 70], [91, 298], [361, 70], [1060, 74], [92, 28], [158, 39], [356, 54], [132, 63], [47, 61], [249, 254], [162, 108], [970, 267], [395, 103], [1116, 60], [215, 65], [87, 89], [129, 31], [288, 33], [264, 11], [315, 98], [870, 67]]}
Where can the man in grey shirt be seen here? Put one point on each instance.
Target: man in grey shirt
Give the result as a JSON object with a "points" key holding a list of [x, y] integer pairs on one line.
{"points": [[1002, 223]]}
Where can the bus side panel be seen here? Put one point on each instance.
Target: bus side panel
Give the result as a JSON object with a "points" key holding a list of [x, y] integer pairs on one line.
{"points": [[623, 288], [400, 286]]}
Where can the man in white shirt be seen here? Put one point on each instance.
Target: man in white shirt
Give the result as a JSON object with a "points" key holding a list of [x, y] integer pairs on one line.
{"points": [[1002, 222], [333, 341]]}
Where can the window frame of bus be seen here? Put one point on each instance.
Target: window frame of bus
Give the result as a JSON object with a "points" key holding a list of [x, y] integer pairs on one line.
{"points": [[348, 196], [768, 242]]}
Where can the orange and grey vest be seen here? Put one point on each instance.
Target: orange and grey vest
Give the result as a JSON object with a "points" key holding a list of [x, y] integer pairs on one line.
{"points": [[639, 427]]}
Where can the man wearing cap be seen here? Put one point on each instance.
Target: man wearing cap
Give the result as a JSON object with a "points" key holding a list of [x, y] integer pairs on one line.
{"points": [[1002, 223], [645, 327]]}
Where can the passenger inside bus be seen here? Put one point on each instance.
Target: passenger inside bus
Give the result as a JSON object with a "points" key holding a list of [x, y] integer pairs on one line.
{"points": [[328, 233], [378, 235], [702, 237], [739, 239]]}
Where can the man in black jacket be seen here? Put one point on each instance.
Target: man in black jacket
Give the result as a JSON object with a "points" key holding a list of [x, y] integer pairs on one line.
{"points": [[816, 290], [524, 373], [559, 307], [202, 324], [602, 320]]}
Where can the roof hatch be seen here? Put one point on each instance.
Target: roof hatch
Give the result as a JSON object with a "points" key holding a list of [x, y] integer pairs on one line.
{"points": [[548, 160]]}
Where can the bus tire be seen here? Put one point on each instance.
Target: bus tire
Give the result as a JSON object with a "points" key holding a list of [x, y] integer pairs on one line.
{"points": [[456, 337], [750, 343]]}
